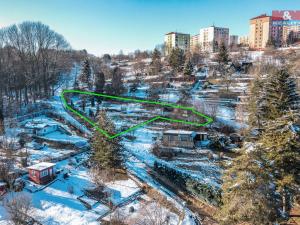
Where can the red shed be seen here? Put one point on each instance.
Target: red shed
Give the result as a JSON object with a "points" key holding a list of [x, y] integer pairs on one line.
{"points": [[41, 173]]}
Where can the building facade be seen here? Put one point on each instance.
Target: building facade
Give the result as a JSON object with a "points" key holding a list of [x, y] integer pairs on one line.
{"points": [[233, 40], [285, 27], [194, 42], [211, 38], [260, 31], [176, 40], [41, 173], [244, 40]]}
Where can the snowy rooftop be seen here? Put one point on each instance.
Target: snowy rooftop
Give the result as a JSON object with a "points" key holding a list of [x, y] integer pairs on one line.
{"points": [[41, 166], [179, 132], [38, 124]]}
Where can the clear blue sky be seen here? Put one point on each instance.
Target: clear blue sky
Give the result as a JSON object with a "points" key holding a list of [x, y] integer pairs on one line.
{"points": [[106, 26]]}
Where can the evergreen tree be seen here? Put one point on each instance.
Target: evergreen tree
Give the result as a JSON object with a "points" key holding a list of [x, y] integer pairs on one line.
{"points": [[223, 56], [281, 147], [107, 152], [106, 58], [176, 59], [270, 43], [86, 75], [188, 68], [215, 46], [272, 97], [155, 64], [76, 85], [99, 82], [117, 81], [254, 120], [278, 96], [247, 194], [291, 38]]}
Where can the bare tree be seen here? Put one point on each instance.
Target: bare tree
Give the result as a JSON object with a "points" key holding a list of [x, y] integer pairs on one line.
{"points": [[117, 218], [99, 176], [152, 213], [31, 60], [210, 109], [139, 67], [19, 208], [6, 168]]}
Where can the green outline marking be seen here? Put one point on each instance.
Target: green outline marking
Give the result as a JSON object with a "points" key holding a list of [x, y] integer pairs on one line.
{"points": [[111, 136]]}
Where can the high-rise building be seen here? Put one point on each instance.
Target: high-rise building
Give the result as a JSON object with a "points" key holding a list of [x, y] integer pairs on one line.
{"points": [[233, 40], [244, 40], [260, 31], [285, 27], [211, 38], [176, 40], [194, 43]]}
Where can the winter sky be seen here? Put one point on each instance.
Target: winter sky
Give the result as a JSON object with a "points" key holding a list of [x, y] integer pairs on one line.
{"points": [[106, 26]]}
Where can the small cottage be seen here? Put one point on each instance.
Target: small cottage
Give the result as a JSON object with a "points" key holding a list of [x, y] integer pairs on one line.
{"points": [[41, 173], [182, 138], [40, 128], [179, 138]]}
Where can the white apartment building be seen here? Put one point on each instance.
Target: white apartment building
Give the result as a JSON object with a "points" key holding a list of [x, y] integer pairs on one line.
{"points": [[211, 38], [176, 40]]}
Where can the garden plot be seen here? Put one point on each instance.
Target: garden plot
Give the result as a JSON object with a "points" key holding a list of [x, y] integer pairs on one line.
{"points": [[57, 203], [203, 169], [145, 210], [41, 121], [58, 132], [121, 190], [46, 153], [60, 137], [59, 110]]}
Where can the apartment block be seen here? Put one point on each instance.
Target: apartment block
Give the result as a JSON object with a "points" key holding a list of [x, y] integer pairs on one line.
{"points": [[260, 31], [233, 40], [194, 42], [211, 38], [176, 40], [285, 26], [244, 40]]}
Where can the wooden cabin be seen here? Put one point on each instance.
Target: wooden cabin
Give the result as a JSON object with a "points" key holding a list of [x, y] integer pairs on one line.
{"points": [[182, 138], [41, 173]]}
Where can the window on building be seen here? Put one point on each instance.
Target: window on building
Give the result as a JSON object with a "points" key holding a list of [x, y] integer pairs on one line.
{"points": [[184, 137], [44, 173], [33, 173], [172, 138]]}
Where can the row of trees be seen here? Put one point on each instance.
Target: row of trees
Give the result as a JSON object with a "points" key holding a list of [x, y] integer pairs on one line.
{"points": [[93, 78], [31, 61], [185, 63], [260, 185]]}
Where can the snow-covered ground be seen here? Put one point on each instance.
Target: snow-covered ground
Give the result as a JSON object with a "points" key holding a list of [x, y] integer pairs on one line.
{"points": [[55, 204]]}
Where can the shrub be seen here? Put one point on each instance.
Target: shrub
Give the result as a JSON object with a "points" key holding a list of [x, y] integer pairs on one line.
{"points": [[190, 184]]}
